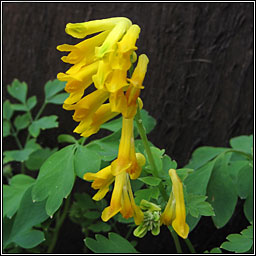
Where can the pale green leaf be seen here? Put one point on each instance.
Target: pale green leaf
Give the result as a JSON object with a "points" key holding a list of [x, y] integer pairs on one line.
{"points": [[18, 90], [29, 214], [37, 158], [203, 155], [113, 244], [52, 87], [58, 99], [6, 128], [239, 243], [30, 239], [56, 179], [43, 123], [243, 143], [221, 193], [13, 193], [86, 160], [21, 121], [31, 102], [197, 181], [197, 206], [7, 110]]}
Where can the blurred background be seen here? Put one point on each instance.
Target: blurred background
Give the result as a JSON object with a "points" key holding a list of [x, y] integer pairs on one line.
{"points": [[199, 84]]}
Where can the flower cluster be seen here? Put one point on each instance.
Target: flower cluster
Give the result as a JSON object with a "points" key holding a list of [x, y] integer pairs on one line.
{"points": [[104, 60]]}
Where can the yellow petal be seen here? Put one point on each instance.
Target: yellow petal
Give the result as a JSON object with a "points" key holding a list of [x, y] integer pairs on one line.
{"points": [[129, 39], [103, 72], [117, 80], [87, 106], [114, 36], [102, 115], [179, 224], [115, 204], [139, 72], [81, 30]]}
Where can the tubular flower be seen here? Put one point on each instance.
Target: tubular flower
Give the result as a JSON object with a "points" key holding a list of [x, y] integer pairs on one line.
{"points": [[128, 163], [126, 103], [175, 212]]}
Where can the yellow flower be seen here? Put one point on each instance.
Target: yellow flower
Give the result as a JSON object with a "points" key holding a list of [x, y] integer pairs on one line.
{"points": [[128, 163], [92, 126], [122, 201], [126, 160], [102, 180], [175, 212]]}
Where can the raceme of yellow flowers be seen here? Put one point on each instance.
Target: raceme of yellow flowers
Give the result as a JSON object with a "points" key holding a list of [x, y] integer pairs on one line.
{"points": [[104, 60]]}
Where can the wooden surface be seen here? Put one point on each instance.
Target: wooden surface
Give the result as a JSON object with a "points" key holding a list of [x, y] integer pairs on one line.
{"points": [[199, 84]]}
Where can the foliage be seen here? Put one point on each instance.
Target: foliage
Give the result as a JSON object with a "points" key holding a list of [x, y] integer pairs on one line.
{"points": [[35, 204]]}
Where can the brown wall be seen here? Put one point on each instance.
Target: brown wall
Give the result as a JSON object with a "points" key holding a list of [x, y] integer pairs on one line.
{"points": [[199, 85]]}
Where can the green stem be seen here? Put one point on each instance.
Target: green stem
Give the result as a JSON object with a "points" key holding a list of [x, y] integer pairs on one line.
{"points": [[59, 222], [14, 134], [176, 240], [37, 116], [190, 246], [40, 110], [145, 142]]}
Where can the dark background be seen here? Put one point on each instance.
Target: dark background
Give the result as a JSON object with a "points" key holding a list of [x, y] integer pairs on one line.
{"points": [[199, 85]]}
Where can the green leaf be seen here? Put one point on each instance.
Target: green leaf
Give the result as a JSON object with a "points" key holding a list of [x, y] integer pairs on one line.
{"points": [[37, 158], [43, 123], [114, 244], [28, 215], [92, 215], [106, 147], [23, 154], [202, 155], [52, 87], [13, 193], [100, 227], [249, 202], [221, 193], [167, 164], [62, 138], [17, 155], [113, 125], [21, 121], [146, 194], [19, 107], [214, 250], [6, 128], [31, 102], [244, 181], [56, 179], [148, 121], [243, 143], [58, 99], [197, 206], [85, 161], [7, 110], [18, 90], [152, 181], [30, 239], [158, 156], [197, 181], [183, 173], [239, 243]]}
